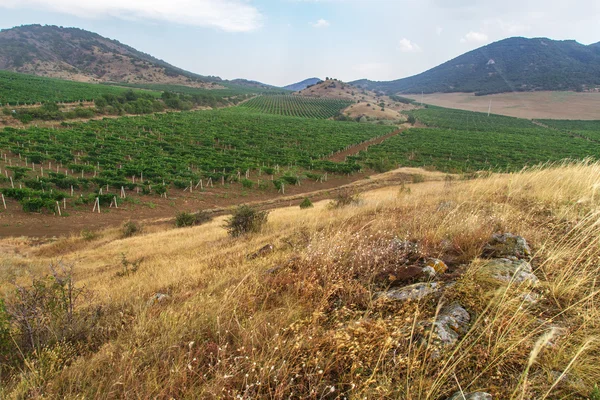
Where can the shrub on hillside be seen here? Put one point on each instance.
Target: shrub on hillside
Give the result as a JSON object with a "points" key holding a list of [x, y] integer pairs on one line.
{"points": [[130, 229], [184, 218], [306, 203], [244, 220], [345, 198]]}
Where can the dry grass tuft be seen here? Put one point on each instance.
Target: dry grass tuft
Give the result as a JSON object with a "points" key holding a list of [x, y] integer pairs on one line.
{"points": [[304, 321]]}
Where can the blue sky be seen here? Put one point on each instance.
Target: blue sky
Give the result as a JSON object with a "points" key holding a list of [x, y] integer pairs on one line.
{"points": [[284, 41]]}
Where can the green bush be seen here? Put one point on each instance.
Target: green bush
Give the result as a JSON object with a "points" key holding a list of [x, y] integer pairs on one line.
{"points": [[130, 229], [411, 119], [184, 218], [306, 203], [247, 184], [245, 220]]}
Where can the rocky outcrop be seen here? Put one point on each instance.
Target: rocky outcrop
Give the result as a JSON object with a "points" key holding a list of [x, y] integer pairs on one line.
{"points": [[417, 291], [507, 245], [450, 325], [507, 270]]}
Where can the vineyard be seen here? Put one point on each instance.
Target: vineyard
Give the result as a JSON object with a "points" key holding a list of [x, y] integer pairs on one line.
{"points": [[461, 141], [297, 106], [587, 129], [155, 153], [21, 89]]}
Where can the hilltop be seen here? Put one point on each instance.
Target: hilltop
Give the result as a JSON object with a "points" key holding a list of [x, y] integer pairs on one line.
{"points": [[367, 103], [79, 55], [514, 64], [296, 87]]}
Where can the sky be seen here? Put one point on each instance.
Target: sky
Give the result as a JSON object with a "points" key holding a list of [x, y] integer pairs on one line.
{"points": [[285, 41]]}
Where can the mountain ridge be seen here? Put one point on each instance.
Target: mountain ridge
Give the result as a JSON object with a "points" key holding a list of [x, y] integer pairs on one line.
{"points": [[298, 86], [512, 64], [80, 55]]}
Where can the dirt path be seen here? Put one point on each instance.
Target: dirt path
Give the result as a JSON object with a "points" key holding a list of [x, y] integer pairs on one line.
{"points": [[353, 150]]}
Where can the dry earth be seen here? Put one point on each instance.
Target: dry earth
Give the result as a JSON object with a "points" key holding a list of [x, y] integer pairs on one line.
{"points": [[530, 105]]}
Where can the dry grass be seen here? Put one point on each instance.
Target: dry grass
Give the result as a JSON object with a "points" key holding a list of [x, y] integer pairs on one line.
{"points": [[313, 328]]}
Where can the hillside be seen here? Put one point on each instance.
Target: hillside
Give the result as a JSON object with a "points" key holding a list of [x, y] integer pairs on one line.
{"points": [[514, 64], [76, 54], [404, 295], [296, 87]]}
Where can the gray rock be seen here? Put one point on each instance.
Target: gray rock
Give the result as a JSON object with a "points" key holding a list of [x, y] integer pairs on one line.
{"points": [[507, 270], [451, 323], [263, 251], [412, 292], [507, 245], [471, 396], [158, 298]]}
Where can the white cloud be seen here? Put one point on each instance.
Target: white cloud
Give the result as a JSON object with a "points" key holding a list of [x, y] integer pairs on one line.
{"points": [[439, 30], [227, 15], [406, 46], [322, 23], [474, 37]]}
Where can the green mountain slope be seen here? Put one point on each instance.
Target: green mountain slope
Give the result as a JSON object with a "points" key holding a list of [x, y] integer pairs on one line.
{"points": [[514, 64]]}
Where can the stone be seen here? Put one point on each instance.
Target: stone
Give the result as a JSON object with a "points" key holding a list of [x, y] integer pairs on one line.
{"points": [[471, 396], [263, 251], [507, 270], [439, 266], [412, 292], [451, 323], [158, 298], [507, 245]]}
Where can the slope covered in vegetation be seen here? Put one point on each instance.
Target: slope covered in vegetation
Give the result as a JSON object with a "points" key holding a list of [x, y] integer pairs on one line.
{"points": [[306, 307]]}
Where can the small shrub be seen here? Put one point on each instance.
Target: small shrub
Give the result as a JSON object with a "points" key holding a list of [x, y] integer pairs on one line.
{"points": [[184, 218], [411, 119], [130, 229], [129, 267], [247, 184], [306, 203], [88, 236], [244, 220], [345, 198], [418, 178]]}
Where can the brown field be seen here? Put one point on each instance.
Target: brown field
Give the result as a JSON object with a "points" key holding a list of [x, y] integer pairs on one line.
{"points": [[530, 105]]}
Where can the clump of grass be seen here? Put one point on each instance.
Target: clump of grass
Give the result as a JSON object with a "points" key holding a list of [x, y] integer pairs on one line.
{"points": [[130, 229], [306, 203], [186, 219], [345, 198], [245, 220]]}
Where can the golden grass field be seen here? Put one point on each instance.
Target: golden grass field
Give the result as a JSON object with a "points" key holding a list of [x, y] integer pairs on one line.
{"points": [[528, 105], [314, 328]]}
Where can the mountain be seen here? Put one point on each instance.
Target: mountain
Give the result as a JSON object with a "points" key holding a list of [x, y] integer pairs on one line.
{"points": [[251, 84], [76, 54], [296, 87], [514, 64]]}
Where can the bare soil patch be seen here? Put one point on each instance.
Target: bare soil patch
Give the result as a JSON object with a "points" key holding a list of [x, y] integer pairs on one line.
{"points": [[529, 105]]}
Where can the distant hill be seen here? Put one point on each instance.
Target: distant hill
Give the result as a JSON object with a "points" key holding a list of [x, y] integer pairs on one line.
{"points": [[251, 84], [296, 87], [76, 54], [514, 64]]}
